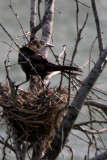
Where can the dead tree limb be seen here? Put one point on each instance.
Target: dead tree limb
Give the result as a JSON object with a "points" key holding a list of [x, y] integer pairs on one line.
{"points": [[32, 18], [98, 27], [60, 138], [48, 24]]}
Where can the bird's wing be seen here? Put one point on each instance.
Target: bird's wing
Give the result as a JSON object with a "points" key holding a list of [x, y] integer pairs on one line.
{"points": [[37, 56]]}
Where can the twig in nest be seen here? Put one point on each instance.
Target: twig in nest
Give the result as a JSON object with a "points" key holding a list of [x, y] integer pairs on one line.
{"points": [[11, 83], [58, 113]]}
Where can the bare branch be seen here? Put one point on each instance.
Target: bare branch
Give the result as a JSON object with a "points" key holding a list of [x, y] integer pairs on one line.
{"points": [[63, 52], [94, 131], [102, 156], [47, 26], [76, 107], [56, 57], [18, 20], [45, 17], [82, 3], [91, 51], [77, 11], [39, 1], [88, 122], [78, 39], [97, 104], [98, 26], [8, 145], [71, 151], [33, 17], [9, 35]]}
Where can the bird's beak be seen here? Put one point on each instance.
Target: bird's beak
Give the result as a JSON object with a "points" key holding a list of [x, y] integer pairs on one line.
{"points": [[49, 45]]}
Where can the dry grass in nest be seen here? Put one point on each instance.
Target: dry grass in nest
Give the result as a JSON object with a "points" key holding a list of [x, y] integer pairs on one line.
{"points": [[33, 117]]}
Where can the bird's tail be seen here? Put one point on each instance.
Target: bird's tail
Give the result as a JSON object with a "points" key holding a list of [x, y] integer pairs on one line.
{"points": [[66, 69]]}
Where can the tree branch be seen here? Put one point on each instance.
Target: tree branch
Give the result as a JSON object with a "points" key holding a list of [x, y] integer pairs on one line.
{"points": [[33, 18], [88, 122], [78, 38], [102, 156], [18, 20], [9, 35], [44, 22], [61, 136], [92, 131], [97, 104], [8, 145], [47, 26], [99, 32]]}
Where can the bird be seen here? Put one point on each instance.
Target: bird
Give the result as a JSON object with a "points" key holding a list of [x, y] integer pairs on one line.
{"points": [[33, 62]]}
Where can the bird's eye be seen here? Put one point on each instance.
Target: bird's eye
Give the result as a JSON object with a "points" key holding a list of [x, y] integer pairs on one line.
{"points": [[42, 43]]}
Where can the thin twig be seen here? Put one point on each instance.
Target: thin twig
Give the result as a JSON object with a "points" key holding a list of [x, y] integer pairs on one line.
{"points": [[71, 151], [98, 96], [104, 92], [77, 12], [89, 122], [78, 39], [91, 52], [64, 52], [9, 35], [85, 140], [82, 3], [97, 104], [8, 146], [56, 57], [92, 131], [91, 127], [18, 20]]}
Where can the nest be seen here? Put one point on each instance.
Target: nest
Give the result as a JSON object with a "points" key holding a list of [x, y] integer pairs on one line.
{"points": [[33, 117]]}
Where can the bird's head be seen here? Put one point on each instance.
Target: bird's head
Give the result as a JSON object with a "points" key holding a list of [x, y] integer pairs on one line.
{"points": [[39, 44]]}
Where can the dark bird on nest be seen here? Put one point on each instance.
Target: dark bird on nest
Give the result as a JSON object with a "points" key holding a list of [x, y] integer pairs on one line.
{"points": [[34, 63]]}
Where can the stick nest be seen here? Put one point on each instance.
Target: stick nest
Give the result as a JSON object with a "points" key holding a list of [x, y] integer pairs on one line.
{"points": [[32, 116]]}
